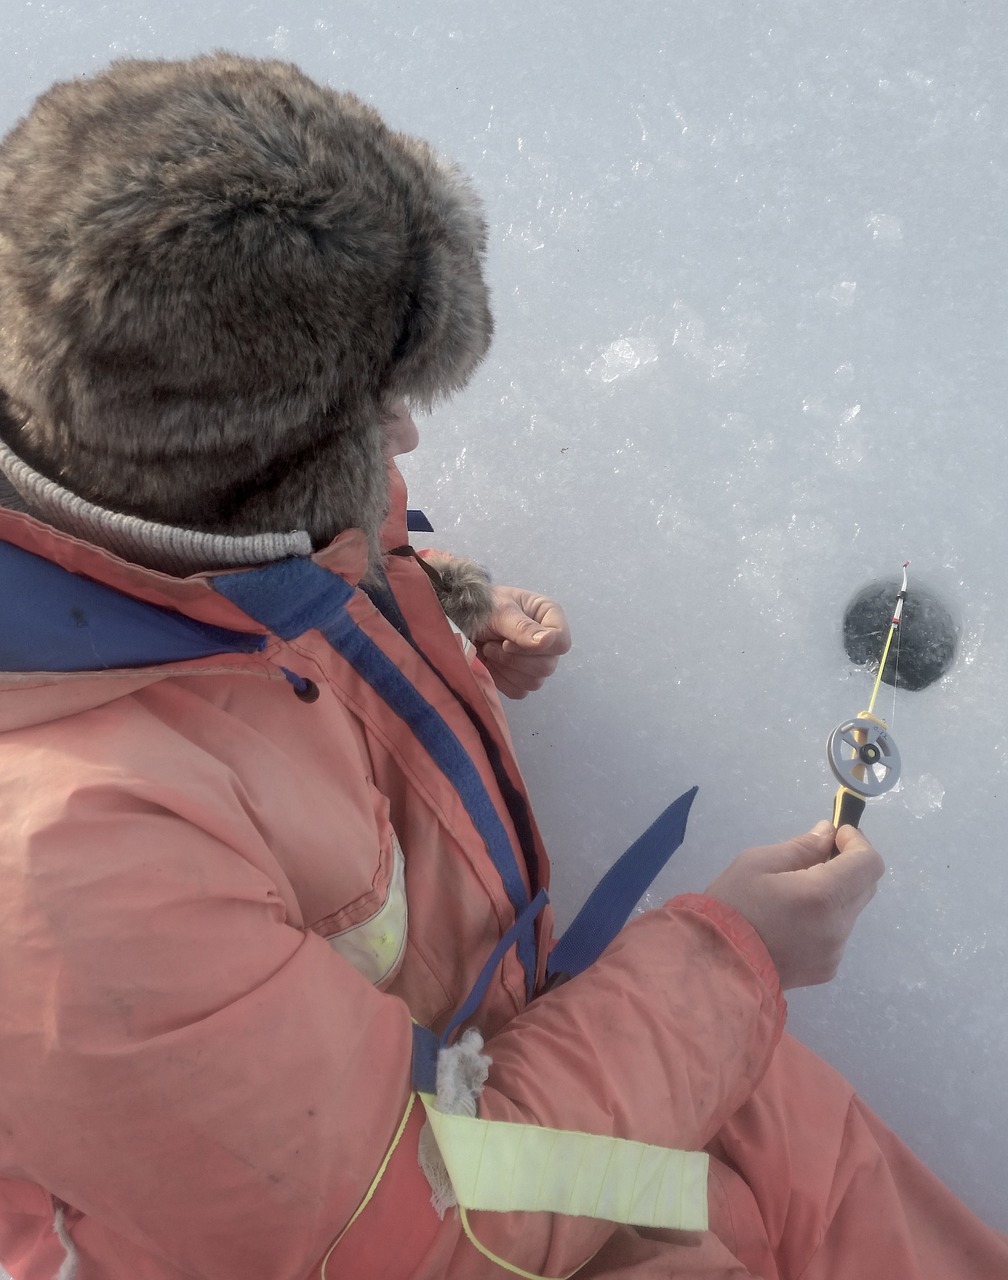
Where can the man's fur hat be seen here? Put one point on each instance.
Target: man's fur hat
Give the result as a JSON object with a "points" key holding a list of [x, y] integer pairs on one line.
{"points": [[216, 277]]}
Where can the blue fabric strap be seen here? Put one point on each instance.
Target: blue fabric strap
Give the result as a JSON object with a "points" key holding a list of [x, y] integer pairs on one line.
{"points": [[295, 596], [620, 889], [426, 1045], [291, 597], [596, 925], [384, 600], [523, 927]]}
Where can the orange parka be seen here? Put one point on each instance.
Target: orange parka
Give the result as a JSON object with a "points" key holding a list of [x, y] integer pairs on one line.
{"points": [[205, 1055]]}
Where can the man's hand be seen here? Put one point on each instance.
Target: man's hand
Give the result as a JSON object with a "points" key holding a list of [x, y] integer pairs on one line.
{"points": [[801, 904], [523, 640]]}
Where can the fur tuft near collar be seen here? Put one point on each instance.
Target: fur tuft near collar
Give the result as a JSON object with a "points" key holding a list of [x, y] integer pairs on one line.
{"points": [[463, 587]]}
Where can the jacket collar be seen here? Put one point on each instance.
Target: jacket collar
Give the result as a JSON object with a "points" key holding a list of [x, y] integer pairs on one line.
{"points": [[192, 595]]}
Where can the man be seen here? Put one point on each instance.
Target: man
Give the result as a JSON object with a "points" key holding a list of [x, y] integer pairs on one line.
{"points": [[272, 933]]}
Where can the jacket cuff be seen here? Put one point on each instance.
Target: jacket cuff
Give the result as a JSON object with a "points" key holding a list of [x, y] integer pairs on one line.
{"points": [[744, 938]]}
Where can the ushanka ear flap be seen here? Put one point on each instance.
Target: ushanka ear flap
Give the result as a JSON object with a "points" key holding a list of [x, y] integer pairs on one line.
{"points": [[447, 325]]}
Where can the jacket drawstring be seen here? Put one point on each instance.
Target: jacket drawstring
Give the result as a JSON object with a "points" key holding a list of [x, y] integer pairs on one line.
{"points": [[69, 1266], [307, 690]]}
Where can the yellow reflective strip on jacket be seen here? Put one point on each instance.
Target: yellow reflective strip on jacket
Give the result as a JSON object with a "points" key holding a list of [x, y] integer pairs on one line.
{"points": [[511, 1168]]}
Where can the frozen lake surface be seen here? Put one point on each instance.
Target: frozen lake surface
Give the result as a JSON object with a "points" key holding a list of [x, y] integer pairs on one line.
{"points": [[749, 274]]}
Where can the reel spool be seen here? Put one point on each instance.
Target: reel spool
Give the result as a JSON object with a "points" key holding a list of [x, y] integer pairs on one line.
{"points": [[863, 756]]}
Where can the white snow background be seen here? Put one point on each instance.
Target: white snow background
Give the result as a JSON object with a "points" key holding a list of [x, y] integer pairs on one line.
{"points": [[749, 278]]}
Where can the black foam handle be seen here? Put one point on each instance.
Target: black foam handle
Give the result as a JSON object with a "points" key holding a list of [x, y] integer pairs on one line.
{"points": [[847, 811]]}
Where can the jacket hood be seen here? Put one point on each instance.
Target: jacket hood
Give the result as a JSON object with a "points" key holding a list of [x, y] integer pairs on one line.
{"points": [[83, 627]]}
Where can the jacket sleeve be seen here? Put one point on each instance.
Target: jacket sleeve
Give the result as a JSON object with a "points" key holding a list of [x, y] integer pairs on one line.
{"points": [[212, 1083], [180, 1063], [660, 1041]]}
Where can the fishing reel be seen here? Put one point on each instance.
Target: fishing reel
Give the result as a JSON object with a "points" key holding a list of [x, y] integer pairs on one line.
{"points": [[863, 756], [865, 761]]}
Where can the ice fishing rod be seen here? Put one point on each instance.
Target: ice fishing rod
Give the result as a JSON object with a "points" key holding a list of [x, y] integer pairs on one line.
{"points": [[861, 751]]}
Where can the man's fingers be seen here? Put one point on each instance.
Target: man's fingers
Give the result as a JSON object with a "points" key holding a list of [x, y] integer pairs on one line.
{"points": [[863, 857], [509, 658], [511, 688], [553, 621], [850, 880], [511, 624], [528, 636], [798, 853], [530, 621]]}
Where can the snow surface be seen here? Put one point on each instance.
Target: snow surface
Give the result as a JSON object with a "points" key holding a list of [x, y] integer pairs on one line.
{"points": [[749, 277]]}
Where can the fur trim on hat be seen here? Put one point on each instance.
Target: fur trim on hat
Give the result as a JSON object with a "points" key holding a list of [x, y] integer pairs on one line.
{"points": [[216, 276]]}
